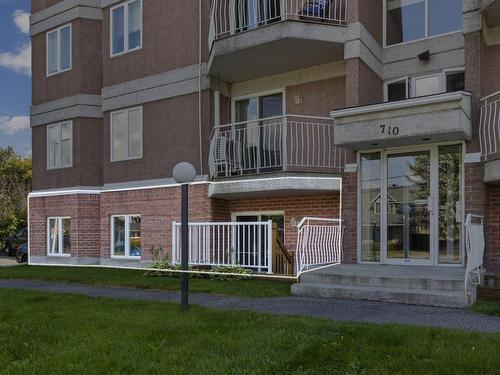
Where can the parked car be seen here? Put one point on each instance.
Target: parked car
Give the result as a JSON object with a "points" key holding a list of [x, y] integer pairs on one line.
{"points": [[13, 242], [22, 253]]}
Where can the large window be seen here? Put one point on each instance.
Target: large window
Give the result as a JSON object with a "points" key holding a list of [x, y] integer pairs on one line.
{"points": [[422, 85], [58, 50], [58, 236], [126, 134], [126, 236], [126, 27], [408, 20], [60, 145]]}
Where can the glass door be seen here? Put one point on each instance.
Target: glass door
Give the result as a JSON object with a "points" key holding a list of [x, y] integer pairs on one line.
{"points": [[408, 207]]}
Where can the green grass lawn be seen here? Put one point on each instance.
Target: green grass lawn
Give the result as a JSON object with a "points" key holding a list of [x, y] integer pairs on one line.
{"points": [[136, 279], [487, 307], [47, 333]]}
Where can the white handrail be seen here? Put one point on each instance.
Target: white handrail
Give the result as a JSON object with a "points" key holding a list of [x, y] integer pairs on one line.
{"points": [[318, 244], [274, 144], [247, 244], [474, 244], [229, 17], [489, 129]]}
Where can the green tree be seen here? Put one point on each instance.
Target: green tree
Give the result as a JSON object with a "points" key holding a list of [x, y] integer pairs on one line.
{"points": [[15, 185]]}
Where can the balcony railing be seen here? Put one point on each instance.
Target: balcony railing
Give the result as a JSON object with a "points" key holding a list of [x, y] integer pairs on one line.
{"points": [[489, 128], [275, 144], [229, 17]]}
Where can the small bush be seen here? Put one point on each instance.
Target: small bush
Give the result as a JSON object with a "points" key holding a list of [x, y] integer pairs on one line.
{"points": [[243, 273]]}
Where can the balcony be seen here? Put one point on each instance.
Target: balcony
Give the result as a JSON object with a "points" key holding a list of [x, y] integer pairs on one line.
{"points": [[256, 38], [285, 145], [491, 12], [489, 137], [428, 119]]}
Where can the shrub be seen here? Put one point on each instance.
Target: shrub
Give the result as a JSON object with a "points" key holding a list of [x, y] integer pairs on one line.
{"points": [[243, 273]]}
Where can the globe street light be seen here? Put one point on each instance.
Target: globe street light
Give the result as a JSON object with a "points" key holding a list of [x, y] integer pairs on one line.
{"points": [[184, 173]]}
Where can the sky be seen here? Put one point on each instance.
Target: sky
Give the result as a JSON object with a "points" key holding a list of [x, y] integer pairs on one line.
{"points": [[15, 75]]}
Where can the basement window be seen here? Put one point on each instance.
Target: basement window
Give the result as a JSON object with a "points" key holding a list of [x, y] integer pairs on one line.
{"points": [[58, 236], [126, 236]]}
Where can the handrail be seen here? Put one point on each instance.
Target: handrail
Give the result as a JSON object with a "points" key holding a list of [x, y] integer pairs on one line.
{"points": [[282, 259], [490, 96], [474, 245], [271, 118]]}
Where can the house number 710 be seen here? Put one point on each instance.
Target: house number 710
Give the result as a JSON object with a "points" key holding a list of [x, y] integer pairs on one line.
{"points": [[391, 130]]}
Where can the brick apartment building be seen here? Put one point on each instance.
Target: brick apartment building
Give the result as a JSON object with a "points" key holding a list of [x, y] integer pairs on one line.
{"points": [[385, 113]]}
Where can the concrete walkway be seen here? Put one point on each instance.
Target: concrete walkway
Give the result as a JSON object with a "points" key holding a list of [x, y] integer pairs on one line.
{"points": [[7, 262], [336, 309]]}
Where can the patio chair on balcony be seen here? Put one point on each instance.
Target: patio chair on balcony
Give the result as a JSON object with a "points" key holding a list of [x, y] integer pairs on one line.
{"points": [[224, 164]]}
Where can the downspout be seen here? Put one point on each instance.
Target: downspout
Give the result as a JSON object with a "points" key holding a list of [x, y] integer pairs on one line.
{"points": [[199, 85]]}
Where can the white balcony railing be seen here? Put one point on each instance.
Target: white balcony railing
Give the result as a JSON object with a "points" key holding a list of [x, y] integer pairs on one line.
{"points": [[489, 127], [229, 17], [319, 243], [275, 144], [227, 244]]}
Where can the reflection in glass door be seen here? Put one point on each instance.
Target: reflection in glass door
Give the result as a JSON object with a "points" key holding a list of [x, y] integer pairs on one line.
{"points": [[411, 206], [407, 206]]}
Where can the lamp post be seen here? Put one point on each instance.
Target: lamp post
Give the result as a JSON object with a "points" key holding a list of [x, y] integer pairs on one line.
{"points": [[184, 173]]}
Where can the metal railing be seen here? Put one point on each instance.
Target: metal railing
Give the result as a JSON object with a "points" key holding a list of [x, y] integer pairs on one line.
{"points": [[283, 143], [319, 243], [229, 17], [227, 244], [489, 127], [474, 245]]}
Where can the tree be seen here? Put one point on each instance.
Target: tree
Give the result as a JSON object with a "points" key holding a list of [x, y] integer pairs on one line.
{"points": [[15, 185]]}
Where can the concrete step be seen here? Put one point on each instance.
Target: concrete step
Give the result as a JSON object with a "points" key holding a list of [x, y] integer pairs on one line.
{"points": [[420, 282], [386, 294]]}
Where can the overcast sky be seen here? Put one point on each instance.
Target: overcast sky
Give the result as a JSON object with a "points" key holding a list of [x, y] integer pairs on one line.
{"points": [[15, 75]]}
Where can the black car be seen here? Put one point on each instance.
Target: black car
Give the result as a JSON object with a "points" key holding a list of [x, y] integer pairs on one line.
{"points": [[22, 253], [13, 242]]}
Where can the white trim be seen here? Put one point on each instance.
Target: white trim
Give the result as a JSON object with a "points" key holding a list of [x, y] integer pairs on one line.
{"points": [[126, 239], [381, 107], [472, 157], [126, 141], [58, 50], [125, 6], [59, 149], [426, 27], [60, 236]]}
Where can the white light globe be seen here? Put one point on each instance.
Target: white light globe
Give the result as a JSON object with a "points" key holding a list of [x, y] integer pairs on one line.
{"points": [[184, 172]]}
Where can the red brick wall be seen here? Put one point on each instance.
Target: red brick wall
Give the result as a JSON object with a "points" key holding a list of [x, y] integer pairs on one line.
{"points": [[158, 208], [84, 213], [492, 230], [325, 205]]}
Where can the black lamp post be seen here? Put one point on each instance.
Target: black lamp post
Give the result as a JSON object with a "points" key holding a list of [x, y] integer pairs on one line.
{"points": [[184, 173]]}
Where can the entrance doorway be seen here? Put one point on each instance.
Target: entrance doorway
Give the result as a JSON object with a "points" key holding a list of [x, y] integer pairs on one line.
{"points": [[411, 206]]}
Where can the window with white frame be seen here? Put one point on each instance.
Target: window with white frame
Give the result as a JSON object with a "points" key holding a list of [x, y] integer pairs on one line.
{"points": [[411, 87], [60, 145], [126, 134], [126, 27], [126, 236], [59, 236], [59, 50], [408, 20]]}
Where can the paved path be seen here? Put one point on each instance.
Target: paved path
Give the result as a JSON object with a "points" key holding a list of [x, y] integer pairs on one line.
{"points": [[337, 309], [7, 262]]}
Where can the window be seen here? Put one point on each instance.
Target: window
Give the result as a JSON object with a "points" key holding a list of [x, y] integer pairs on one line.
{"points": [[436, 83], [408, 20], [454, 81], [59, 50], [60, 145], [58, 236], [126, 134], [126, 236], [126, 27]]}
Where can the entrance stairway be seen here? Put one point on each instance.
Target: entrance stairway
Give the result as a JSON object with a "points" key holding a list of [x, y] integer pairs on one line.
{"points": [[435, 286]]}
